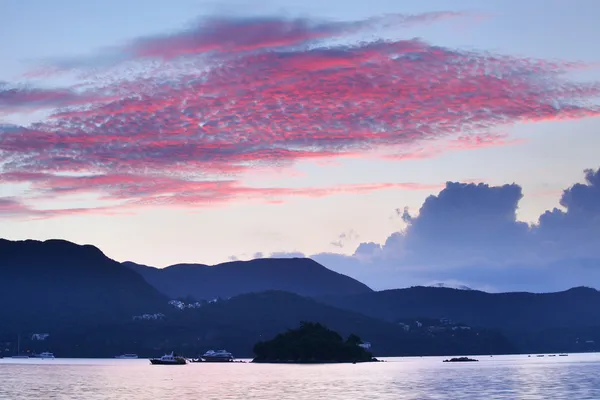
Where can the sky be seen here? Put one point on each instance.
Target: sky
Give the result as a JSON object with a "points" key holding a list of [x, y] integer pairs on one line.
{"points": [[399, 143]]}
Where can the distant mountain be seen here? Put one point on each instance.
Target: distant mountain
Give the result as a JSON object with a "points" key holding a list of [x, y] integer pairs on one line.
{"points": [[87, 303], [302, 276], [238, 323], [574, 308], [58, 285]]}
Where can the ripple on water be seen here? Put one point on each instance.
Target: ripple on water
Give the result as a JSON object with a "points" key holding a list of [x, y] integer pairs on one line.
{"points": [[506, 377]]}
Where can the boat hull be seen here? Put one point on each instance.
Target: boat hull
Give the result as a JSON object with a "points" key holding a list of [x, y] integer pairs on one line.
{"points": [[217, 359], [154, 361]]}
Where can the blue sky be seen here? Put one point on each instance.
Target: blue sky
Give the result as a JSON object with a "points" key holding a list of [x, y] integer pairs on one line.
{"points": [[159, 205]]}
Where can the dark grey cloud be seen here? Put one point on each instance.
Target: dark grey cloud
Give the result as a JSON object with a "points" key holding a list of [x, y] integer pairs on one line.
{"points": [[468, 234]]}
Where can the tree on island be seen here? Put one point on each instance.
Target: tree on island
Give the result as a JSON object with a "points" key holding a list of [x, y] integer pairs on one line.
{"points": [[311, 342]]}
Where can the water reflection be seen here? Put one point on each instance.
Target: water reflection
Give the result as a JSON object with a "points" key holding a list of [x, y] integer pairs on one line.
{"points": [[507, 377]]}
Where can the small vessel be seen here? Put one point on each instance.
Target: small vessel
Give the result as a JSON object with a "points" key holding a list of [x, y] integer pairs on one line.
{"points": [[45, 354], [127, 356], [461, 359], [217, 356], [168, 359]]}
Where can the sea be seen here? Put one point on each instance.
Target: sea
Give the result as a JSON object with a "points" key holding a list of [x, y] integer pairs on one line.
{"points": [[576, 376]]}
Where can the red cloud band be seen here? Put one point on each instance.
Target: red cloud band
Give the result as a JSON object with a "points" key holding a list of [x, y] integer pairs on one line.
{"points": [[266, 108], [17, 99], [135, 191]]}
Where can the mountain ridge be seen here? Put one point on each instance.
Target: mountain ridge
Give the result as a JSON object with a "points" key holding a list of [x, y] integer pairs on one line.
{"points": [[58, 284], [507, 311], [303, 276]]}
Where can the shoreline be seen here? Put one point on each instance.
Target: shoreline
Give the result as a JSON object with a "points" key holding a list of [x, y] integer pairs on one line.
{"points": [[250, 360], [315, 361]]}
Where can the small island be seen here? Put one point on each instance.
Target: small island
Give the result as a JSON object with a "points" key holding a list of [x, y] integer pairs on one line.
{"points": [[311, 343], [461, 359]]}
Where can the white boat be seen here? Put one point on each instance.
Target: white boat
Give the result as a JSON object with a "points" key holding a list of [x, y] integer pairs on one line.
{"points": [[217, 356], [127, 356], [168, 359], [45, 354]]}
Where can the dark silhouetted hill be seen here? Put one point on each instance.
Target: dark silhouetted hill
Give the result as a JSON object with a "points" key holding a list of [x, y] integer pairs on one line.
{"points": [[309, 343], [240, 322], [86, 302], [57, 285], [302, 276], [523, 312]]}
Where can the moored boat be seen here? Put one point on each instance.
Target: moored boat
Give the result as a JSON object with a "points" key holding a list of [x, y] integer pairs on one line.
{"points": [[45, 354], [168, 359], [127, 356], [461, 359], [217, 356]]}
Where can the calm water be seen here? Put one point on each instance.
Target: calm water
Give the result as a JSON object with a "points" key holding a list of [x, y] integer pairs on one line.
{"points": [[500, 377]]}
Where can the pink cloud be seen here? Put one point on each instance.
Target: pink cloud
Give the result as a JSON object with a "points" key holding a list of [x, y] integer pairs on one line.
{"points": [[279, 107], [217, 193], [222, 35], [188, 138], [12, 207], [127, 187], [18, 99], [229, 35], [460, 143], [138, 191]]}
